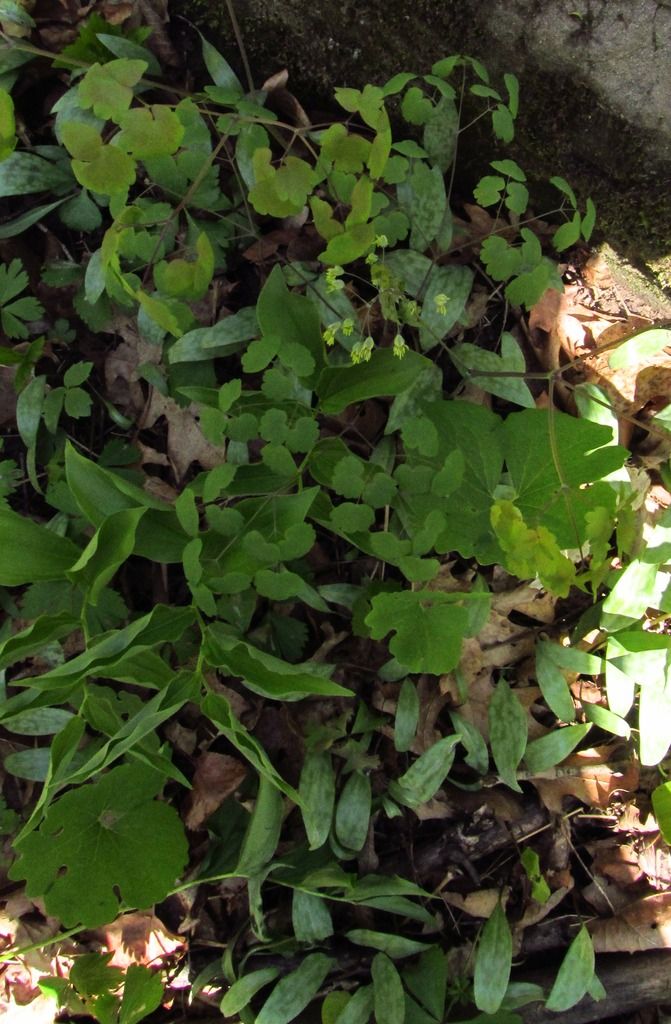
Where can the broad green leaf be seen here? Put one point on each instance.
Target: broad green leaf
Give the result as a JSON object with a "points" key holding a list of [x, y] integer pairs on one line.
{"points": [[108, 89], [142, 994], [422, 197], [150, 131], [317, 791], [98, 492], [245, 988], [441, 132], [96, 165], [353, 811], [507, 733], [219, 69], [575, 974], [8, 139], [493, 960], [359, 1007], [282, 191], [38, 721], [382, 376], [290, 318], [98, 833], [473, 362], [296, 990], [223, 338], [310, 917], [553, 684], [263, 831], [425, 776], [568, 234], [428, 627], [661, 806], [388, 998], [427, 980], [554, 748], [30, 552], [112, 543], [531, 552], [395, 946]]}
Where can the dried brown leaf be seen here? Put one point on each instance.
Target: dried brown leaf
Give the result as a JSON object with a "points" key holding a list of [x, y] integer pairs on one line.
{"points": [[643, 925], [217, 776]]}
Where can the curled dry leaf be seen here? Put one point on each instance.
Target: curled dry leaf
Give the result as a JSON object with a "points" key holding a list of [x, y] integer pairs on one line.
{"points": [[217, 776], [643, 925], [480, 903]]}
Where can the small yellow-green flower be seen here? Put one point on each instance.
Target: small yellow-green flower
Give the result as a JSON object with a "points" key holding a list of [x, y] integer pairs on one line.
{"points": [[347, 326], [333, 282], [381, 241], [329, 334], [441, 301], [400, 348], [362, 350]]}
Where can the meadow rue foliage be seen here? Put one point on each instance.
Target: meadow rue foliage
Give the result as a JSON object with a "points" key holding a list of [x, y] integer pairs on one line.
{"points": [[314, 467]]}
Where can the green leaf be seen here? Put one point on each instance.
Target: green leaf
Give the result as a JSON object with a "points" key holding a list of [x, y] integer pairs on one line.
{"points": [[395, 946], [427, 980], [295, 991], [353, 811], [222, 339], [218, 710], [262, 672], [425, 776], [33, 638], [97, 832], [351, 518], [8, 139], [11, 228], [112, 543], [661, 806], [317, 791], [383, 375], [540, 890], [550, 661], [310, 917], [503, 123], [554, 748], [219, 69], [293, 320], [30, 552], [24, 173], [568, 234], [407, 716], [472, 361], [428, 625], [245, 988], [507, 733], [493, 961], [575, 974], [263, 830], [97, 166], [388, 999], [441, 132], [108, 88], [142, 994], [150, 131], [639, 347], [282, 191], [488, 190], [422, 197]]}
